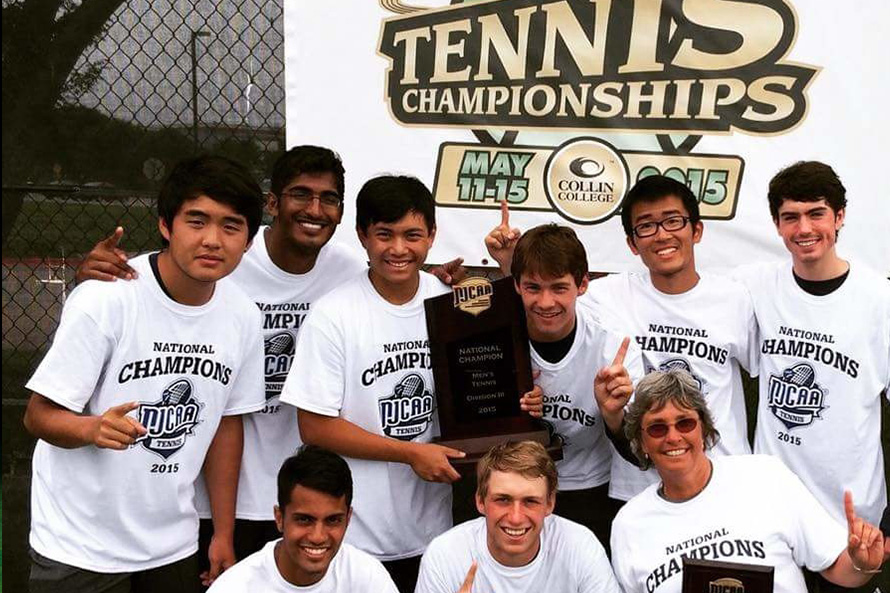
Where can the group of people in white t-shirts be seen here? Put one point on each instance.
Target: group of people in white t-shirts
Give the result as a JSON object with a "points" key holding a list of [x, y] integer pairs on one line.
{"points": [[639, 374]]}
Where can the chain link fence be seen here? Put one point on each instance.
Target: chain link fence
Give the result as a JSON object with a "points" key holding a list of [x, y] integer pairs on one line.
{"points": [[156, 81], [164, 80]]}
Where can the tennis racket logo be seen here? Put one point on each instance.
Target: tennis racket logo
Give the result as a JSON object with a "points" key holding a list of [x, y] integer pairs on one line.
{"points": [[794, 397], [169, 421], [406, 413]]}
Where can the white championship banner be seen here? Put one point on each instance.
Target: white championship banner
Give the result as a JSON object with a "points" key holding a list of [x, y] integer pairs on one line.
{"points": [[558, 107]]}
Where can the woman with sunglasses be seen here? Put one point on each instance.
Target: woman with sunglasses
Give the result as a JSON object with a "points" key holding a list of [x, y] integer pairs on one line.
{"points": [[745, 508]]}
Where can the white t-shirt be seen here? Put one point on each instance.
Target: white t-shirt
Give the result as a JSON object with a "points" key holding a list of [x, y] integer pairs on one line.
{"points": [[368, 361], [570, 560], [350, 570], [284, 299], [824, 361], [119, 511], [570, 405], [709, 331], [753, 511]]}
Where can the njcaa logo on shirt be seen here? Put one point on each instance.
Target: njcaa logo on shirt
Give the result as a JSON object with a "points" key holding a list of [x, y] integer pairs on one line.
{"points": [[794, 396], [406, 413], [279, 349], [169, 421]]}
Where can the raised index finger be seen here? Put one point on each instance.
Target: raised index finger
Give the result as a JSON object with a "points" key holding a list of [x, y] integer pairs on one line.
{"points": [[622, 352], [123, 409], [467, 585], [505, 214], [849, 509], [114, 238]]}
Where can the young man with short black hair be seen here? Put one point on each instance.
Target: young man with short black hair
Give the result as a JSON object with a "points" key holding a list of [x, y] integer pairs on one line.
{"points": [[291, 265], [679, 317], [370, 395], [312, 515], [824, 349], [284, 272], [145, 382], [517, 544]]}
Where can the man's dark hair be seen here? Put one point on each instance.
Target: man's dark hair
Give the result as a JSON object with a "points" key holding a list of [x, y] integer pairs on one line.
{"points": [[390, 197], [806, 181], [220, 179], [652, 188], [550, 251], [317, 469], [306, 159]]}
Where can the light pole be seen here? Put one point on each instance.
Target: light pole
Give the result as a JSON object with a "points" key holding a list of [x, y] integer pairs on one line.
{"points": [[193, 48]]}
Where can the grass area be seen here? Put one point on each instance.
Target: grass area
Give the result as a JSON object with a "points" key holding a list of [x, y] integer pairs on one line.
{"points": [[53, 226]]}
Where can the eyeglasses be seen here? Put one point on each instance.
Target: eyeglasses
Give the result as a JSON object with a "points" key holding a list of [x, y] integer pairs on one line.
{"points": [[660, 429], [671, 223], [302, 197]]}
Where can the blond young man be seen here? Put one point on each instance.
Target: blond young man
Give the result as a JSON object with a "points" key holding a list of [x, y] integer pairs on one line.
{"points": [[518, 544]]}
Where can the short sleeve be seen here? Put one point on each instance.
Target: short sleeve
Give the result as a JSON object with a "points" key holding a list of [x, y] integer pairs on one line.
{"points": [[315, 382], [595, 300], [247, 391], [816, 539], [72, 368], [228, 582], [430, 579], [749, 350], [597, 575]]}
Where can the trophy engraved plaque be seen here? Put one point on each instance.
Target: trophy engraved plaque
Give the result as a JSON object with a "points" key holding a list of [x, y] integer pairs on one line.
{"points": [[711, 576], [481, 365]]}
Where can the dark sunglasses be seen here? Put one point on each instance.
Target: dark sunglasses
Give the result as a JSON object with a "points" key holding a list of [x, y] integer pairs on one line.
{"points": [[660, 429]]}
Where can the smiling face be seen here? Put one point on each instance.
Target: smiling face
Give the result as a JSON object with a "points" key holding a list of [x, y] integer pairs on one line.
{"points": [[677, 453], [669, 255], [549, 305], [206, 241], [306, 226], [313, 525], [809, 230], [396, 251], [515, 507]]}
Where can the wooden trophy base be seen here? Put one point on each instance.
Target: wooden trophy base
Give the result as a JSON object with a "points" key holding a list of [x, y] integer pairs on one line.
{"points": [[477, 447]]}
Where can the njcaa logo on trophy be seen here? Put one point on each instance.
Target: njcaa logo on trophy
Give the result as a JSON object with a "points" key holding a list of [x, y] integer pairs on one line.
{"points": [[406, 413], [794, 396], [279, 350], [169, 421], [473, 295]]}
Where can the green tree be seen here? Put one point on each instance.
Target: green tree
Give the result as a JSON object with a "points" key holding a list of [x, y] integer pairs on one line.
{"points": [[42, 42]]}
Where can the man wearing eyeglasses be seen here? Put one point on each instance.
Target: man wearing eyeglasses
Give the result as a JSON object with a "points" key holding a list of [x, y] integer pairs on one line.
{"points": [[678, 317]]}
